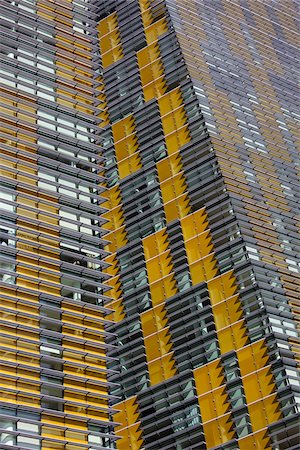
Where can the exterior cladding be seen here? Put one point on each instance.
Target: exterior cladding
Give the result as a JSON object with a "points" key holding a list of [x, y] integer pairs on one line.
{"points": [[53, 376], [201, 192], [194, 110]]}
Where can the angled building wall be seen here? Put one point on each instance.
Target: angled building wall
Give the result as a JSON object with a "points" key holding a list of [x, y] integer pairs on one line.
{"points": [[53, 376], [202, 198]]}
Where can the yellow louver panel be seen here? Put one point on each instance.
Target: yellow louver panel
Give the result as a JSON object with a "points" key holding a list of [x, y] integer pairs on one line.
{"points": [[126, 146], [174, 120], [214, 404], [151, 72], [109, 40], [154, 31], [146, 12], [129, 429]]}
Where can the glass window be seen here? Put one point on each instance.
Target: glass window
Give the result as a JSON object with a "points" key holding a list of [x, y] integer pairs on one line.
{"points": [[28, 6], [28, 427], [43, 180], [70, 292], [7, 266], [6, 438], [70, 216], [5, 233], [8, 197], [43, 66]]}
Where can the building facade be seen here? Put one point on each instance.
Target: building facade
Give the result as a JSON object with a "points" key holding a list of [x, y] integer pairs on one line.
{"points": [[149, 168], [54, 388], [202, 197]]}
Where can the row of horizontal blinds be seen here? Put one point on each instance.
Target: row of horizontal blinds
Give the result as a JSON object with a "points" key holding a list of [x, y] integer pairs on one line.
{"points": [[19, 320], [68, 72], [20, 313], [20, 338], [80, 73], [94, 392]]}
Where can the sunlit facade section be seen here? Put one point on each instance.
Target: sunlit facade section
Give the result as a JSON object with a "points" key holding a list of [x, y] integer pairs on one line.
{"points": [[53, 376]]}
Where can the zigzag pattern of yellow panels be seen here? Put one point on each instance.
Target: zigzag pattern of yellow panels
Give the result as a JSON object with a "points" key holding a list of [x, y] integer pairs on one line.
{"points": [[199, 249], [159, 267], [126, 146], [151, 72], [214, 404], [103, 114], [227, 312], [174, 120], [152, 30], [259, 385], [117, 236], [157, 338], [258, 440], [109, 40], [129, 428], [115, 293], [158, 344], [173, 187], [114, 215], [222, 289], [145, 7]]}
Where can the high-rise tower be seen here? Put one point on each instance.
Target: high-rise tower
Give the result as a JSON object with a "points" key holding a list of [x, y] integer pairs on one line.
{"points": [[186, 228], [53, 373], [202, 198]]}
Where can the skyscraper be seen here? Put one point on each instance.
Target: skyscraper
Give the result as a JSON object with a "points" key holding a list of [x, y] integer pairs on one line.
{"points": [[202, 198], [54, 389], [149, 167]]}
